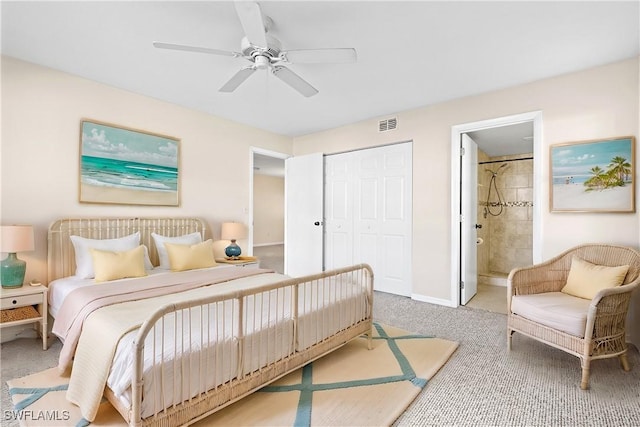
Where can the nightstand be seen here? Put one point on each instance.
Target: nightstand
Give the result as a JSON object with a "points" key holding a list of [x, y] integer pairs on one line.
{"points": [[24, 305], [243, 261]]}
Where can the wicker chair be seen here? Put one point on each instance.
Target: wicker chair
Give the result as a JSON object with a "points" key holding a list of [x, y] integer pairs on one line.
{"points": [[604, 335]]}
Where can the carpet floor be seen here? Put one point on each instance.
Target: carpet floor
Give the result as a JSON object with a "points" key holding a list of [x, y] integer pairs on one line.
{"points": [[482, 384]]}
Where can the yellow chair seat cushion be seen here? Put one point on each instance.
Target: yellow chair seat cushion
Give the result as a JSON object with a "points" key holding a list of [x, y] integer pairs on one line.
{"points": [[189, 257], [585, 279], [111, 265]]}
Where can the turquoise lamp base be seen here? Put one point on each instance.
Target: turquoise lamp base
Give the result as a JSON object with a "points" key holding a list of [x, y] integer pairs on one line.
{"points": [[12, 271], [233, 250]]}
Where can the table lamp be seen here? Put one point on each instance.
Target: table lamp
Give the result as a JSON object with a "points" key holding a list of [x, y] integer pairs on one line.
{"points": [[233, 231], [13, 239]]}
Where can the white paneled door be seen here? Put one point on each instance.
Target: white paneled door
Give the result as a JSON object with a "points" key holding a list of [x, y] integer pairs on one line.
{"points": [[468, 220], [303, 240], [368, 197]]}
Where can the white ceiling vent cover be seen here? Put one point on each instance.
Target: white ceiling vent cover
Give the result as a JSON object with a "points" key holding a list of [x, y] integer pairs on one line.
{"points": [[388, 124]]}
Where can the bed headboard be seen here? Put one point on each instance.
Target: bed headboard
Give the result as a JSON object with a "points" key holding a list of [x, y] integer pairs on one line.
{"points": [[61, 256]]}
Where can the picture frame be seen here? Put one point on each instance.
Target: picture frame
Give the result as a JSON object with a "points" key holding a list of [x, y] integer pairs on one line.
{"points": [[593, 176], [121, 165]]}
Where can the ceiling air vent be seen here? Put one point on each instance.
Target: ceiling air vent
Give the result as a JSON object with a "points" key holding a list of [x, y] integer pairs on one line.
{"points": [[388, 124]]}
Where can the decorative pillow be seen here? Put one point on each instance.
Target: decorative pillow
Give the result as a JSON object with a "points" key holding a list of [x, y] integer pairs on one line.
{"points": [[586, 279], [187, 239], [189, 257], [111, 265], [147, 261], [81, 246]]}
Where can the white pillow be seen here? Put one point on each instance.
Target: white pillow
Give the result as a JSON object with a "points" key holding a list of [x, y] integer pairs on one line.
{"points": [[163, 256], [84, 261]]}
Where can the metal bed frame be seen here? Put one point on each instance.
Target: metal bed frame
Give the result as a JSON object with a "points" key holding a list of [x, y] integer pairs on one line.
{"points": [[315, 332]]}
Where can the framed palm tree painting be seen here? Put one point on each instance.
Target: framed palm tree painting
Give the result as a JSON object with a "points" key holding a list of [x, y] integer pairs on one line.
{"points": [[593, 176]]}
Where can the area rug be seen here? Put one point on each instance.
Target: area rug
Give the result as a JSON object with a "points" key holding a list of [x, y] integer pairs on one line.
{"points": [[350, 386]]}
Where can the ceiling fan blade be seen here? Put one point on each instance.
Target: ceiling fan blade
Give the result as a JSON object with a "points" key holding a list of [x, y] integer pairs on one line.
{"points": [[173, 46], [294, 80], [237, 79], [252, 22], [316, 56]]}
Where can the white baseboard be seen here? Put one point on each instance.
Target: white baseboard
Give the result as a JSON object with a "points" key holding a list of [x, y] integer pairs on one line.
{"points": [[437, 301], [257, 245]]}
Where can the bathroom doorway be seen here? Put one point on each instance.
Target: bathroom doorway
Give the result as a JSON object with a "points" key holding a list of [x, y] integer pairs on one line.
{"points": [[507, 225]]}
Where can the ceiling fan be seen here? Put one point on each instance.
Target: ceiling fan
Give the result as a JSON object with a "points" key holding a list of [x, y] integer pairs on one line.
{"points": [[265, 52]]}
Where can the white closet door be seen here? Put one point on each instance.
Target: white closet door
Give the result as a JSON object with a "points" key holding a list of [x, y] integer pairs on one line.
{"points": [[338, 211], [368, 200]]}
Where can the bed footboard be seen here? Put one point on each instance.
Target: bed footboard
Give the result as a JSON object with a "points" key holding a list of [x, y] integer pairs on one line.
{"points": [[195, 357]]}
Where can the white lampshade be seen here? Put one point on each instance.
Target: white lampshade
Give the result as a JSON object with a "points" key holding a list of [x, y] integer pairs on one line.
{"points": [[233, 231], [16, 238]]}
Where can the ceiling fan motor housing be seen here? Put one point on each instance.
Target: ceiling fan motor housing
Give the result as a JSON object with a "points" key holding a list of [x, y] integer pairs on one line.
{"points": [[271, 51]]}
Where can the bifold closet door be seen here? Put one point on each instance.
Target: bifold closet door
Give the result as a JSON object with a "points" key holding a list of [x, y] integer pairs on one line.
{"points": [[368, 213]]}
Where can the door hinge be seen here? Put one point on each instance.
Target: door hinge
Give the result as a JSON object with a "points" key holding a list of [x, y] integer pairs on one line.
{"points": [[461, 151], [461, 284]]}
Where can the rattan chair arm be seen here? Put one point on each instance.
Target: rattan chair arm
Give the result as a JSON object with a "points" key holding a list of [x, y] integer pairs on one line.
{"points": [[617, 290], [608, 310]]}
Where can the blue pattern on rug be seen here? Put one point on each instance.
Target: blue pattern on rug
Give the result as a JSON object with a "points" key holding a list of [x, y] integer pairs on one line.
{"points": [[307, 388], [36, 393]]}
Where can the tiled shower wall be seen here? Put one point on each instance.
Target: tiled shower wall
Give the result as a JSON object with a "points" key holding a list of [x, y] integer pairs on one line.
{"points": [[507, 238]]}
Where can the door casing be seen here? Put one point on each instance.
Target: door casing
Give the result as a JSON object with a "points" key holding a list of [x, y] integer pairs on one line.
{"points": [[456, 175]]}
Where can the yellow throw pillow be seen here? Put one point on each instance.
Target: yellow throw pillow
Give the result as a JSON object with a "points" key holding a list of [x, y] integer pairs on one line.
{"points": [[189, 257], [109, 265], [586, 279]]}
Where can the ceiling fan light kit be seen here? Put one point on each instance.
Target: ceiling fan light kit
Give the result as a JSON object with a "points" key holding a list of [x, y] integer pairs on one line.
{"points": [[265, 52]]}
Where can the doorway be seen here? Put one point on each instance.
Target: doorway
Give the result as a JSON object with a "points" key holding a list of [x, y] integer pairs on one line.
{"points": [[266, 212], [466, 232]]}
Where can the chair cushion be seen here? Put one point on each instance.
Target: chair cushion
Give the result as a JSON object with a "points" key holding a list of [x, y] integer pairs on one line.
{"points": [[585, 279], [556, 310]]}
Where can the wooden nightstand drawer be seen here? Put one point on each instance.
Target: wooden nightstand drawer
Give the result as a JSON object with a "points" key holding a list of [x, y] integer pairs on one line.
{"points": [[21, 301]]}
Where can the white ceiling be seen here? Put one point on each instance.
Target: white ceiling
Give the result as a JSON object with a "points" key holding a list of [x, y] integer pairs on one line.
{"points": [[410, 54], [505, 140]]}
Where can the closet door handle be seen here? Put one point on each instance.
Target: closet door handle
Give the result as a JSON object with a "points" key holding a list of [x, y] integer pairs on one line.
{"points": [[317, 223]]}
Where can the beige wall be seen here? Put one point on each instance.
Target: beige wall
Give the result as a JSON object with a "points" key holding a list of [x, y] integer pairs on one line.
{"points": [[596, 103], [42, 108], [41, 113], [268, 209]]}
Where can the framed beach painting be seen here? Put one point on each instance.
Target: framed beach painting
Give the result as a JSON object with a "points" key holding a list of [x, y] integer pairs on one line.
{"points": [[593, 176], [119, 165]]}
